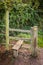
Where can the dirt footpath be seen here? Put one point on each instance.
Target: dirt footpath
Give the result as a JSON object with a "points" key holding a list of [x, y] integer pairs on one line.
{"points": [[23, 58]]}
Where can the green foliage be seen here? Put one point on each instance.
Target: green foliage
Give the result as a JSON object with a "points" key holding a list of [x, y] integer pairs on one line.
{"points": [[22, 16], [24, 35], [33, 3], [8, 4], [40, 41], [40, 38]]}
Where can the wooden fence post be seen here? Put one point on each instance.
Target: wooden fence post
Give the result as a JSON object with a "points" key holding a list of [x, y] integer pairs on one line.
{"points": [[34, 40], [7, 28]]}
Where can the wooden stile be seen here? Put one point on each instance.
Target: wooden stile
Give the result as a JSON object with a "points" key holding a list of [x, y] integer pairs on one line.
{"points": [[16, 47]]}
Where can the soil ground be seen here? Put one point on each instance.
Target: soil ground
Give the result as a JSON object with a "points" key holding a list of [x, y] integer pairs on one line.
{"points": [[22, 59]]}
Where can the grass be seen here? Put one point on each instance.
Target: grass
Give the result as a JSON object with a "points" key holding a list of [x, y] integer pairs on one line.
{"points": [[40, 39], [24, 35]]}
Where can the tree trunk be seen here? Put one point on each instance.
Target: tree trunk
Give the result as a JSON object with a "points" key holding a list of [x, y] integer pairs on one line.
{"points": [[7, 28]]}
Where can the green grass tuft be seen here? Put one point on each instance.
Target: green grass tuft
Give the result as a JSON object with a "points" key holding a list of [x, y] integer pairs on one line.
{"points": [[40, 41]]}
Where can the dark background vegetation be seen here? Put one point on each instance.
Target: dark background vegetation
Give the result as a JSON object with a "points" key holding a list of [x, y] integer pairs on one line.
{"points": [[24, 15]]}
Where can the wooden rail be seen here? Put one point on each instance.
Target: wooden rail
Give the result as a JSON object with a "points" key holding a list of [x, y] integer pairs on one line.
{"points": [[18, 38], [20, 30]]}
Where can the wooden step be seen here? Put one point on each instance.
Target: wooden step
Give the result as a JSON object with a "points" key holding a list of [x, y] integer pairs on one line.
{"points": [[16, 47]]}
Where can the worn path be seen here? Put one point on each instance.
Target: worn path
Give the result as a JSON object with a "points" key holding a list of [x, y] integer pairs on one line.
{"points": [[23, 58]]}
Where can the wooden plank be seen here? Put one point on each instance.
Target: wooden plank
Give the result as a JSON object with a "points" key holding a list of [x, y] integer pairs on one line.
{"points": [[18, 44], [16, 47], [18, 38], [20, 30]]}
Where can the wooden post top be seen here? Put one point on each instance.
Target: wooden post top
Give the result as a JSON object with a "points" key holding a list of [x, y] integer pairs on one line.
{"points": [[34, 28]]}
